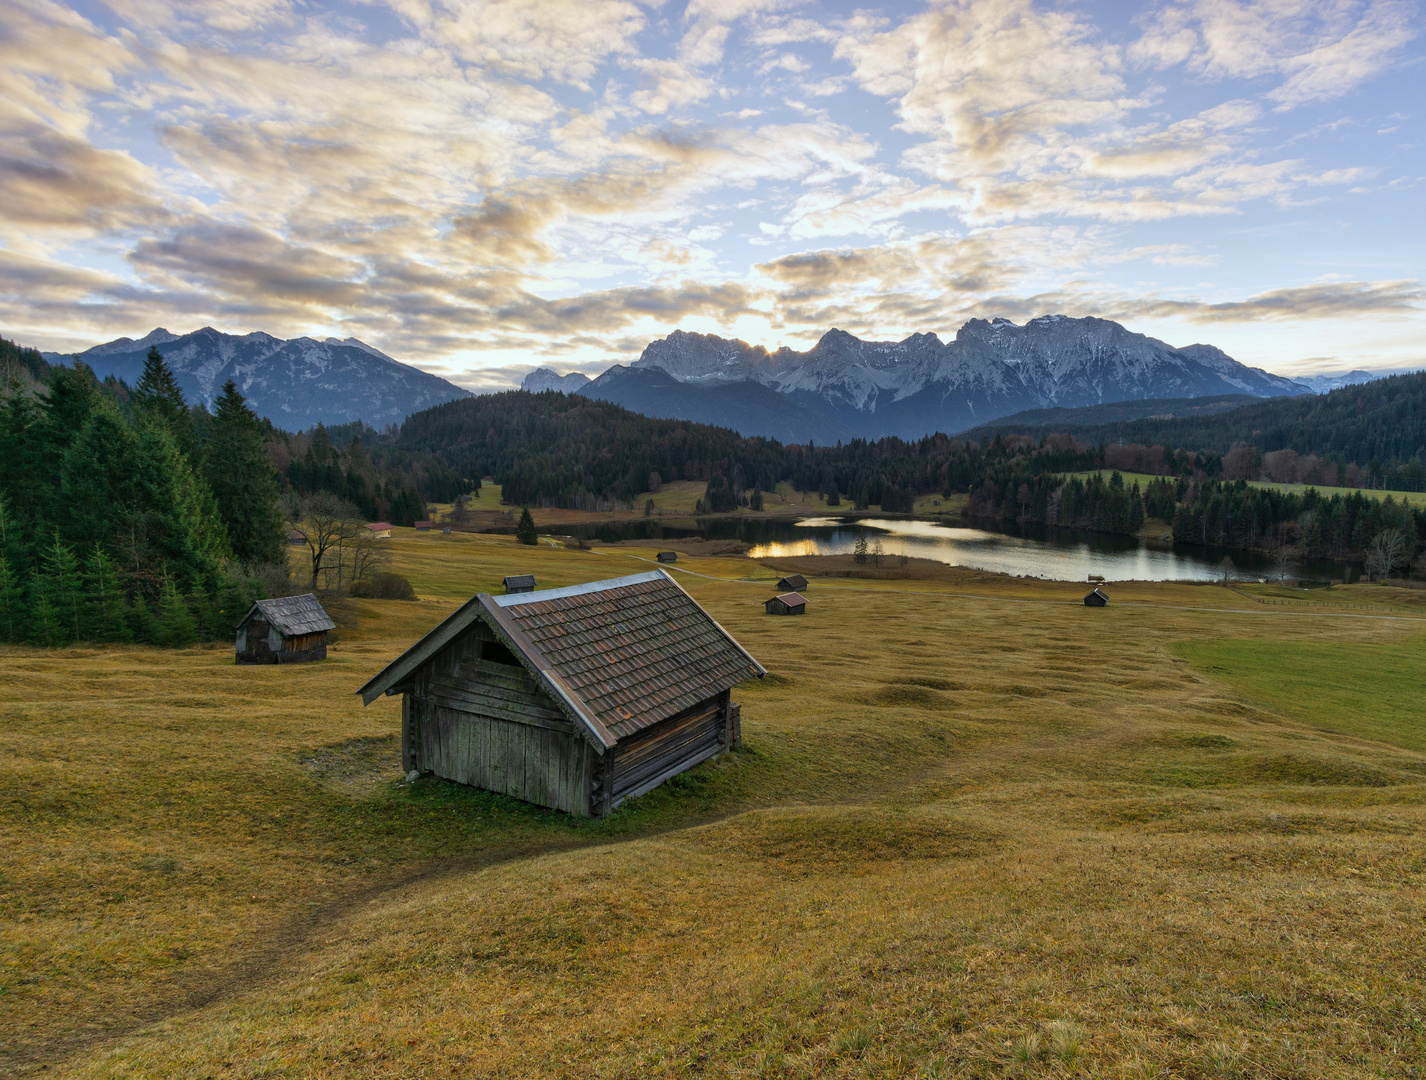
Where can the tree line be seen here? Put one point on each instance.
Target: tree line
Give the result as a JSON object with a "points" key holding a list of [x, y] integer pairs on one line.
{"points": [[1366, 435], [557, 450], [127, 516]]}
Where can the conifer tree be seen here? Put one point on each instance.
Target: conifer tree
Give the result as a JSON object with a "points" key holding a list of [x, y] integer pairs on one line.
{"points": [[145, 625], [525, 531], [25, 481], [46, 625], [12, 603], [157, 394], [176, 625], [129, 489], [106, 606], [63, 589], [243, 481], [66, 406]]}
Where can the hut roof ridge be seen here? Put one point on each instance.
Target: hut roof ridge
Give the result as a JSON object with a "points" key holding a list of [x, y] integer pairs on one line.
{"points": [[291, 615], [602, 647]]}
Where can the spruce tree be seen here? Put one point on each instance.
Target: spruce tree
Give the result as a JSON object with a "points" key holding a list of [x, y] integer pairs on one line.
{"points": [[106, 605], [46, 625], [243, 481], [72, 397], [176, 625], [525, 531], [145, 625], [157, 394], [26, 481], [63, 589], [12, 603]]}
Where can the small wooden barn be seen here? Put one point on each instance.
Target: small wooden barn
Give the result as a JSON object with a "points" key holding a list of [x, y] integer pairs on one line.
{"points": [[423, 526], [1097, 598], [517, 583], [793, 583], [787, 604], [295, 538], [288, 630], [668, 556], [575, 698], [381, 530]]}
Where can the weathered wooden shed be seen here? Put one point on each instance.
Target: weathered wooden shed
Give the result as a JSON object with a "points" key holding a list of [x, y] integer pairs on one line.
{"points": [[575, 698], [423, 526], [792, 583], [288, 630], [668, 556], [295, 538], [516, 583], [1097, 598], [787, 604]]}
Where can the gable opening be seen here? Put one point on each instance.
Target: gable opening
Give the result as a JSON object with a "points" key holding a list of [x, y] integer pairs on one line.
{"points": [[497, 653]]}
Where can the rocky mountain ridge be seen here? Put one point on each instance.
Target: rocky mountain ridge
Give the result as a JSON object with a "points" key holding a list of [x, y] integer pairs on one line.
{"points": [[295, 383], [992, 368]]}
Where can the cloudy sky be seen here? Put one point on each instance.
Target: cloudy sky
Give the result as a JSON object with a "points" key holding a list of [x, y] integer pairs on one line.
{"points": [[482, 187]]}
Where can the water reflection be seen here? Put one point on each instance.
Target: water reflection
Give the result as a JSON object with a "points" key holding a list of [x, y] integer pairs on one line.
{"points": [[1059, 556], [1037, 551]]}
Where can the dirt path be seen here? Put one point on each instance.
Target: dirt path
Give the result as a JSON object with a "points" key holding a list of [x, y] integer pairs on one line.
{"points": [[285, 946], [280, 952]]}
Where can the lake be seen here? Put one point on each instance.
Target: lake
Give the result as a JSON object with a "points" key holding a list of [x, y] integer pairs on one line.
{"points": [[1030, 550]]}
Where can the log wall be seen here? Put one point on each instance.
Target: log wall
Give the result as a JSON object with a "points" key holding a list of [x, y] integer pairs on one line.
{"points": [[489, 725]]}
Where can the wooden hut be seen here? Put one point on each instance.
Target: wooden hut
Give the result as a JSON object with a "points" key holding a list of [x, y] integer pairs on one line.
{"points": [[517, 583], [288, 630], [668, 556], [295, 538], [380, 530], [423, 526], [793, 583], [575, 698], [787, 604], [1097, 598]]}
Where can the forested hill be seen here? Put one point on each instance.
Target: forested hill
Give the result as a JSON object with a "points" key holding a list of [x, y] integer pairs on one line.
{"points": [[17, 361], [559, 448], [1382, 421]]}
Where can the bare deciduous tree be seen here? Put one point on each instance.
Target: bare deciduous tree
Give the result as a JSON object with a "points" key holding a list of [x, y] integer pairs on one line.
{"points": [[1387, 552], [341, 548]]}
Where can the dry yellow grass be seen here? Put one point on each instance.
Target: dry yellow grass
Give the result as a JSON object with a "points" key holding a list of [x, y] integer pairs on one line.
{"points": [[978, 830]]}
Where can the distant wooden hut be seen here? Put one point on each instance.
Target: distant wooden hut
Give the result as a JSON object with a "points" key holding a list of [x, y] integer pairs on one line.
{"points": [[518, 583], [787, 604], [792, 583], [295, 538], [1097, 598], [575, 698], [288, 630], [423, 526], [668, 556], [380, 530]]}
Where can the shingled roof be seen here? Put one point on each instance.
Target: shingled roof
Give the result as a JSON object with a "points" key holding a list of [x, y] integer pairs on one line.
{"points": [[617, 655], [292, 615]]}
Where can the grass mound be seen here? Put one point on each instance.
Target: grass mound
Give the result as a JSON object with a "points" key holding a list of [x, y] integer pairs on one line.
{"points": [[848, 840], [383, 585]]}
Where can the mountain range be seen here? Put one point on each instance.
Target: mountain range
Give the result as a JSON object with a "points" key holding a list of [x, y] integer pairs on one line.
{"points": [[845, 387], [296, 383]]}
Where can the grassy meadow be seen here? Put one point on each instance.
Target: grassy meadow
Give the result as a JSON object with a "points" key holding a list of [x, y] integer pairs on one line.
{"points": [[977, 830], [1411, 498]]}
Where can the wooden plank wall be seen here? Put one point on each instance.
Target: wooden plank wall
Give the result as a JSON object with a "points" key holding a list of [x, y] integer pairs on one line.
{"points": [[670, 745], [490, 726]]}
